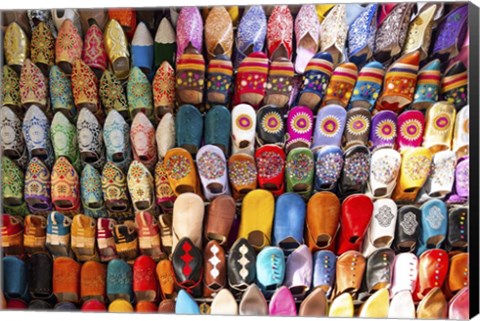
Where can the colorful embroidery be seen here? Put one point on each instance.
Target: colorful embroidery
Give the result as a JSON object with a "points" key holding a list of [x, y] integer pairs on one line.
{"points": [[244, 122], [178, 167], [211, 166], [272, 123], [417, 167], [384, 216], [358, 125], [299, 167], [411, 129], [301, 123], [270, 165], [386, 129], [330, 126]]}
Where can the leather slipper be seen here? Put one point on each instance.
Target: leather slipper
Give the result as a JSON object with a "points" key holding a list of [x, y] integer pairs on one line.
{"points": [[145, 283], [432, 272], [17, 46], [323, 215], [148, 235], [314, 305], [188, 267], [289, 221], [142, 49], [407, 229], [434, 298], [119, 280], [224, 304], [66, 279], [434, 222], [241, 265], [34, 232], [93, 279], [458, 307], [218, 128], [270, 270], [270, 161], [189, 128], [12, 235], [329, 126], [116, 45], [253, 302], [342, 306], [251, 80], [215, 270], [188, 207], [15, 274], [83, 237], [324, 270], [381, 230], [126, 241], [376, 306], [282, 303], [462, 187], [165, 135], [298, 275], [40, 269], [219, 220], [457, 237], [349, 275], [165, 45], [404, 274], [299, 128], [243, 129], [166, 278], [185, 304]]}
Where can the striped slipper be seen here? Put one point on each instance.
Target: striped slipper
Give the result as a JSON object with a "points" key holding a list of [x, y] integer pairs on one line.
{"points": [[340, 88], [428, 85], [190, 77], [455, 85], [368, 86], [219, 80], [251, 79], [279, 84]]}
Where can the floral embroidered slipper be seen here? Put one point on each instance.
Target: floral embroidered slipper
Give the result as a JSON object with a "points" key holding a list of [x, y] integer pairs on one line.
{"points": [[218, 33], [251, 33], [115, 192], [90, 139], [68, 47], [13, 184], [112, 94], [65, 187], [340, 88], [94, 53], [139, 93], [17, 46], [163, 87], [428, 85], [91, 192], [420, 33], [251, 80], [329, 126], [189, 31], [280, 33], [455, 85], [11, 90], [299, 128], [307, 33], [165, 45], [61, 95], [163, 191], [219, 80], [368, 86], [33, 86], [127, 19], [64, 140], [361, 36], [117, 141], [36, 130], [116, 45], [12, 139], [410, 126], [165, 135], [142, 136], [85, 87], [190, 77], [141, 187], [42, 48], [334, 33], [279, 83]]}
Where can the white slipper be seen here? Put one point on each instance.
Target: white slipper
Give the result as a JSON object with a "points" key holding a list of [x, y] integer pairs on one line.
{"points": [[188, 212], [384, 169], [461, 134], [212, 169], [165, 135], [405, 273], [224, 304], [402, 306], [243, 129], [441, 179]]}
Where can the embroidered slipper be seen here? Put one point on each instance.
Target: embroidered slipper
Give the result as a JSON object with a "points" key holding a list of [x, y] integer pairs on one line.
{"points": [[65, 187], [88, 17], [384, 168], [420, 33], [42, 48], [439, 122], [384, 130], [115, 192], [188, 207], [218, 33], [242, 174], [280, 33], [218, 128], [413, 174], [357, 127], [163, 88], [323, 215], [119, 281], [11, 90], [38, 187], [117, 142], [440, 182], [17, 46], [434, 227], [139, 93], [356, 169], [83, 238], [145, 283], [85, 87], [428, 86], [299, 128], [334, 33], [142, 136], [212, 168], [94, 54], [410, 126], [219, 80], [353, 10], [392, 31], [256, 228], [61, 96], [315, 80], [142, 49], [126, 241], [270, 161], [58, 234], [307, 34], [279, 83], [455, 85], [91, 192], [329, 126], [181, 171], [406, 238], [328, 167], [36, 130], [141, 187], [190, 77], [105, 241], [116, 45], [59, 16], [33, 86], [13, 188], [165, 43], [368, 86], [189, 128], [93, 279], [461, 135], [112, 94], [163, 191], [13, 141], [64, 140], [66, 279], [270, 126], [90, 140], [251, 33], [299, 171], [361, 35], [189, 31], [68, 47], [243, 129], [251, 80], [165, 135], [462, 188]]}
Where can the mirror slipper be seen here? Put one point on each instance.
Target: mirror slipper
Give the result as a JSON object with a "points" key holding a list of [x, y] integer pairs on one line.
{"points": [[299, 171]]}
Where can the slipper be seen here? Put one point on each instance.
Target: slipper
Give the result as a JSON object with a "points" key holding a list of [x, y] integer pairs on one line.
{"points": [[462, 187], [219, 80], [13, 141], [353, 10], [117, 142], [36, 131], [188, 267], [11, 90], [145, 283], [42, 48], [356, 169], [59, 16], [165, 135], [142, 49], [410, 127], [376, 306], [251, 80], [414, 172], [323, 215], [90, 140], [85, 87], [378, 273], [33, 86], [212, 169], [391, 32], [251, 33], [89, 17], [217, 128], [454, 85], [404, 274], [165, 43], [189, 32], [218, 33], [253, 302], [350, 269], [450, 34], [190, 77], [243, 129], [282, 303], [163, 191], [139, 93], [65, 187], [279, 83], [329, 126], [37, 187], [255, 228], [368, 86], [270, 126], [127, 18], [270, 268], [280, 33], [224, 303], [242, 174], [13, 188], [357, 127], [91, 192], [299, 171], [94, 54], [307, 34], [384, 169], [463, 55], [181, 171], [65, 280], [241, 265], [315, 80], [324, 270], [112, 94], [432, 273], [115, 192], [166, 278], [126, 241], [17, 46], [385, 9], [83, 238], [215, 272], [428, 86], [119, 280], [457, 237], [116, 45], [58, 234], [361, 35], [64, 140], [461, 134], [456, 280], [189, 128], [458, 307], [288, 223], [184, 304], [334, 30], [120, 306], [342, 306], [314, 305], [142, 136], [40, 276], [420, 32], [105, 241], [328, 167], [299, 128], [440, 181], [219, 221], [270, 161], [68, 47], [61, 96], [93, 279], [141, 187], [439, 122], [383, 133], [12, 235]]}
